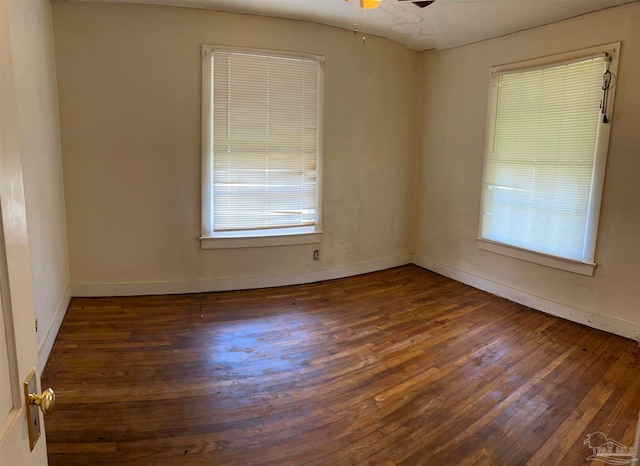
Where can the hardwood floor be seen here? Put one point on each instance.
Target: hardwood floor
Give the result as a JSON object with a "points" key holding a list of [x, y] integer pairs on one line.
{"points": [[399, 367]]}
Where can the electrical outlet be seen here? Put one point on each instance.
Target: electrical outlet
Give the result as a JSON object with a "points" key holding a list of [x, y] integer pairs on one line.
{"points": [[316, 255]]}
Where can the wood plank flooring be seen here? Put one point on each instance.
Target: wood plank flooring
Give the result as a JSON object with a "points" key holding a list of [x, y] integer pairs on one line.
{"points": [[398, 367]]}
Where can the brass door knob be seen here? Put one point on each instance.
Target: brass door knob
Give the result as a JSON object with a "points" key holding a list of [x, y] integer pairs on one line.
{"points": [[46, 401]]}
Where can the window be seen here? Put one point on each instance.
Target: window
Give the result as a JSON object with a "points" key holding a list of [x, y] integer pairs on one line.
{"points": [[547, 141], [261, 148]]}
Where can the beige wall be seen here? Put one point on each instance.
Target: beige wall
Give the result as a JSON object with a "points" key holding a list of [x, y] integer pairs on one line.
{"points": [[453, 109], [129, 90], [31, 33]]}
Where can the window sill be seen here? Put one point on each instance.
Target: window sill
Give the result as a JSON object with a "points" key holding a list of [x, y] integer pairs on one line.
{"points": [[537, 258], [226, 241]]}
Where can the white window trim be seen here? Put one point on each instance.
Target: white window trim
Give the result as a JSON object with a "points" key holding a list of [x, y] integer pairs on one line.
{"points": [[583, 268], [536, 257], [254, 238]]}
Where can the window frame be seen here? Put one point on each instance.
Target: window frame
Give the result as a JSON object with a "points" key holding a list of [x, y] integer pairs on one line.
{"points": [[259, 237], [586, 267]]}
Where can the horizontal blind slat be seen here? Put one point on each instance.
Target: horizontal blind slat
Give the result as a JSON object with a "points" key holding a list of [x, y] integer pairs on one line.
{"points": [[541, 156], [265, 141]]}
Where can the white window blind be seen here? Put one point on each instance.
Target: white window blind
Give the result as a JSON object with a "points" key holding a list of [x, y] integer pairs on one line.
{"points": [[542, 147], [264, 149]]}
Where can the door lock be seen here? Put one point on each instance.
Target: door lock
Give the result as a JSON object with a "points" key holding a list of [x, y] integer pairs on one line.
{"points": [[45, 402]]}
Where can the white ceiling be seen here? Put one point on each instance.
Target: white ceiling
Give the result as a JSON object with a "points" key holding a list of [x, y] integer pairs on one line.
{"points": [[444, 24]]}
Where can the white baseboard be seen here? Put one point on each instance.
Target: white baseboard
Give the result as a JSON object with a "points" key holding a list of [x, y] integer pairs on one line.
{"points": [[608, 324], [228, 284], [45, 347]]}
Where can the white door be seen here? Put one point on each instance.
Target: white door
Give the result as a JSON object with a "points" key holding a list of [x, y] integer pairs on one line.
{"points": [[18, 345]]}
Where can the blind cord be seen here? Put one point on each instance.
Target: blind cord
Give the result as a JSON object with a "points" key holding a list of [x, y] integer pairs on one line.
{"points": [[607, 78]]}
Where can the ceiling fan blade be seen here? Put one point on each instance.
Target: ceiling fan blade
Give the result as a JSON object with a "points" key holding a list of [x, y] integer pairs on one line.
{"points": [[421, 4]]}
